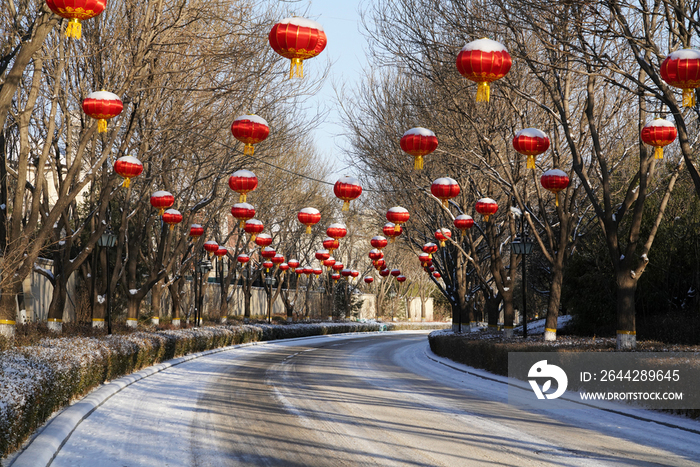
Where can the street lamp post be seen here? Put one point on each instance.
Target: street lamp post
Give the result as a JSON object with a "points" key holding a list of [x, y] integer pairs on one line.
{"points": [[270, 281], [202, 268], [107, 240], [523, 246]]}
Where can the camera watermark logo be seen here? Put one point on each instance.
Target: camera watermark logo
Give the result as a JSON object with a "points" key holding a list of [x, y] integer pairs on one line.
{"points": [[542, 370]]}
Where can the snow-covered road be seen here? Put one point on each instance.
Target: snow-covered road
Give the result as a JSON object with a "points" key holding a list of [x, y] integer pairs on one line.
{"points": [[375, 399]]}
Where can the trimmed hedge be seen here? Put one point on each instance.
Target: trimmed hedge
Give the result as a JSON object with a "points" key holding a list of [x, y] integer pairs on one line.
{"points": [[36, 381]]}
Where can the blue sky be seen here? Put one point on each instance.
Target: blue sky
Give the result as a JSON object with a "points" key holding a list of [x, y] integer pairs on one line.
{"points": [[346, 51]]}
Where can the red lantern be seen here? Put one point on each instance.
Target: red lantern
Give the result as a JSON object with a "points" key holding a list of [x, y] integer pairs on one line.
{"points": [[221, 252], [102, 106], [531, 142], [268, 265], [354, 273], [299, 271], [297, 39], [431, 268], [263, 240], [396, 272], [243, 258], [347, 189], [308, 270], [196, 231], [243, 182], [554, 180], [268, 253], [172, 217], [278, 259], [346, 272], [484, 61], [309, 217], [398, 216], [162, 200], [242, 212], [442, 235], [486, 207], [329, 262], [659, 133], [430, 248], [76, 11], [128, 167], [318, 271], [445, 189], [335, 277], [249, 130], [379, 242], [423, 258], [383, 272], [375, 255], [293, 263], [253, 227], [322, 255], [390, 231], [436, 275], [284, 267], [337, 231], [681, 69], [379, 264], [331, 244], [418, 142], [463, 222], [338, 266], [401, 278], [369, 279], [211, 247]]}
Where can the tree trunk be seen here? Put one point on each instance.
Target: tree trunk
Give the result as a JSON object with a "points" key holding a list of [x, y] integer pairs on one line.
{"points": [[492, 304], [508, 314], [550, 327], [626, 322], [156, 299], [132, 310], [8, 308], [58, 302], [174, 289], [99, 310]]}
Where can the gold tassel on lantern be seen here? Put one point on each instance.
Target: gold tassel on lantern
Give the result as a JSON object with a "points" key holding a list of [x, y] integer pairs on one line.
{"points": [[346, 205], [248, 150], [483, 93], [308, 229], [531, 162], [556, 199], [241, 224], [659, 152], [102, 125], [126, 182], [486, 218], [172, 226], [242, 198], [74, 29], [397, 228], [253, 237], [418, 163], [689, 97], [445, 203], [442, 243], [161, 211], [297, 68]]}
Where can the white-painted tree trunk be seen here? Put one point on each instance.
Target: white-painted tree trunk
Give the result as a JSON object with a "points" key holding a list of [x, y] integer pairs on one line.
{"points": [[507, 331], [550, 334], [155, 320], [98, 323], [7, 329], [626, 341], [132, 322], [176, 322]]}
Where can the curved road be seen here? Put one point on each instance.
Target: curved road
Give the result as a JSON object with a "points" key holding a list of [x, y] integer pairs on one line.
{"points": [[350, 400]]}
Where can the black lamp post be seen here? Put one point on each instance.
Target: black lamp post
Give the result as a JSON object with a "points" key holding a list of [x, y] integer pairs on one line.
{"points": [[523, 246], [202, 267], [108, 239], [270, 281]]}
